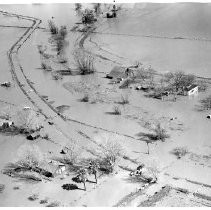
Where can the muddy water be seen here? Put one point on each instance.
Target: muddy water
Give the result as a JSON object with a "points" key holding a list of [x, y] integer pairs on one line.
{"points": [[63, 14], [152, 50], [162, 23]]}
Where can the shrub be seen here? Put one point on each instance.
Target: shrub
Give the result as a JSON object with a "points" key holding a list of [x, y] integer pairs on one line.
{"points": [[29, 157], [160, 133], [179, 152], [45, 66], [33, 197], [116, 110], [53, 27], [44, 201], [124, 100], [84, 62], [85, 98], [57, 76], [41, 50]]}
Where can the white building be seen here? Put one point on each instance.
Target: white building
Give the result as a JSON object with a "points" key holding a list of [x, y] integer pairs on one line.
{"points": [[192, 90]]}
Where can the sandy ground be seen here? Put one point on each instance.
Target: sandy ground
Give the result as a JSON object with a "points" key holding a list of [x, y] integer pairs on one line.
{"points": [[191, 128]]}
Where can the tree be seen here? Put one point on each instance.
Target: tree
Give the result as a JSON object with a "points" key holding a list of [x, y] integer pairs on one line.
{"points": [[178, 80], [29, 156], [88, 17], [93, 168], [78, 6], [110, 149], [26, 119], [82, 175]]}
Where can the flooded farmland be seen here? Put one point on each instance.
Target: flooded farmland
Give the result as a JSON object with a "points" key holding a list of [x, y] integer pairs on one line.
{"points": [[109, 98]]}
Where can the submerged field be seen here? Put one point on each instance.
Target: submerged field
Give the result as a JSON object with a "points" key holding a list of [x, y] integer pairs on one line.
{"points": [[161, 35]]}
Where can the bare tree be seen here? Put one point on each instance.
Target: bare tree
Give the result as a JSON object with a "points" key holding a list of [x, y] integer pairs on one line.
{"points": [[29, 156], [178, 80], [111, 149], [26, 119], [78, 6]]}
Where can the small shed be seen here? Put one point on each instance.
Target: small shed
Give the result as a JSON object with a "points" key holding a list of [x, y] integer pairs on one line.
{"points": [[191, 90]]}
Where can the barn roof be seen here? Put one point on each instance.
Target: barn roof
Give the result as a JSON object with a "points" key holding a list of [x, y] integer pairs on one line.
{"points": [[191, 87], [117, 72]]}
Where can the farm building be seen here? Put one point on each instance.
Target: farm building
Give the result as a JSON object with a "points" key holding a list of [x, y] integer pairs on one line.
{"points": [[191, 90], [117, 72]]}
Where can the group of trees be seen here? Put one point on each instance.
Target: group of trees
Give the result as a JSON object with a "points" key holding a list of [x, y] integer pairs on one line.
{"points": [[177, 81], [88, 15]]}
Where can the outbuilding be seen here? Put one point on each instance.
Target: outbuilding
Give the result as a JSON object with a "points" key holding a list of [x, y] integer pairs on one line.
{"points": [[191, 90]]}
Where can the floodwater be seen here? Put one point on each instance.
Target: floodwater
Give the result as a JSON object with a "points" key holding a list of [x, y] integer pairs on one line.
{"points": [[163, 54]]}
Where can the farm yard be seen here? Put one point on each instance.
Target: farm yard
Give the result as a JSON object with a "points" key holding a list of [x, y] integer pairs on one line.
{"points": [[87, 118]]}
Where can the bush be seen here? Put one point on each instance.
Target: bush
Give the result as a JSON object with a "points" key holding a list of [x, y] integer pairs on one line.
{"points": [[29, 157], [45, 66], [44, 201], [160, 133], [179, 152], [33, 197], [124, 100], [57, 76], [116, 110], [88, 17], [85, 98], [84, 62], [53, 27]]}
